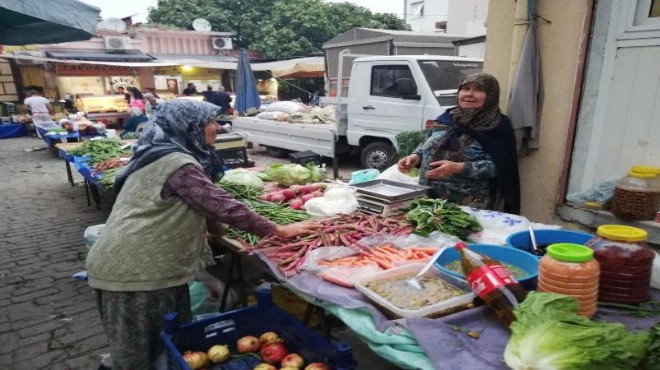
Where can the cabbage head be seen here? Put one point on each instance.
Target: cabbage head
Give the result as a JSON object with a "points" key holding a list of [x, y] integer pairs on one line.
{"points": [[548, 334], [242, 177]]}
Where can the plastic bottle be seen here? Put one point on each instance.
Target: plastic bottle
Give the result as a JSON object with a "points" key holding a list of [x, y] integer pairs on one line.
{"points": [[492, 282], [571, 269]]}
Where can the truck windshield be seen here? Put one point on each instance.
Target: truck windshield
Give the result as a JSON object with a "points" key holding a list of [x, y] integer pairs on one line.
{"points": [[444, 76]]}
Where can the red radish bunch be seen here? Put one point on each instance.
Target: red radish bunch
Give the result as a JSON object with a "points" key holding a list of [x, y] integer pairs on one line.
{"points": [[296, 195]]}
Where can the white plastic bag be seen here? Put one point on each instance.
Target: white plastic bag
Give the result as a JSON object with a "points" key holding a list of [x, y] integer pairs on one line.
{"points": [[338, 199], [393, 174]]}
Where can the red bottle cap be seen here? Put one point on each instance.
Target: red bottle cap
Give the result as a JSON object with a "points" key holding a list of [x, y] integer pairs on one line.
{"points": [[460, 246]]}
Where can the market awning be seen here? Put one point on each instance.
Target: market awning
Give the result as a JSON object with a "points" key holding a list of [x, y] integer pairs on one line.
{"points": [[99, 56], [39, 22], [300, 68], [193, 58]]}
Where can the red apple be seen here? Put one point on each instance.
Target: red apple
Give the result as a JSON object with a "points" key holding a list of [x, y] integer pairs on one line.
{"points": [[293, 360], [248, 344], [273, 353]]}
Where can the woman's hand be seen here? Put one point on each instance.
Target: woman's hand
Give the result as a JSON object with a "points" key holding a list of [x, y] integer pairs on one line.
{"points": [[300, 228], [443, 169], [407, 163]]}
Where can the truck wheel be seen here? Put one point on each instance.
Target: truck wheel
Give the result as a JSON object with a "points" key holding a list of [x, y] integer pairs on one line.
{"points": [[276, 152], [379, 155]]}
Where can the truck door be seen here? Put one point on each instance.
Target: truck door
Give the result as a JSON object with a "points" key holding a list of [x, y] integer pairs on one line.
{"points": [[384, 99]]}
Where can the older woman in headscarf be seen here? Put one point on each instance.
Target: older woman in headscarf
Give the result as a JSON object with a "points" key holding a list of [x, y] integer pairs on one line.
{"points": [[469, 156], [154, 240]]}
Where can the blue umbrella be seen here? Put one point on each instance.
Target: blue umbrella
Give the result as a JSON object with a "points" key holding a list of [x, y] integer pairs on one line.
{"points": [[40, 22], [247, 97]]}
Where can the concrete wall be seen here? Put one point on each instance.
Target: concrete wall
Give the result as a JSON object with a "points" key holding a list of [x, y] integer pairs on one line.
{"points": [[434, 11], [467, 17], [560, 49]]}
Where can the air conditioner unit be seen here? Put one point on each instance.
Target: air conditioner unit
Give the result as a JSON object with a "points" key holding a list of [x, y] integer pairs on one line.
{"points": [[221, 43], [27, 60], [117, 43]]}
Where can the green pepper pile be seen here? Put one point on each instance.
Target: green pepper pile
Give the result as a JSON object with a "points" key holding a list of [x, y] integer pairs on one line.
{"points": [[101, 150]]}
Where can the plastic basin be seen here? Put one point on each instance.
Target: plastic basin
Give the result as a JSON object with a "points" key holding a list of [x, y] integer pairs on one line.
{"points": [[521, 240], [515, 257]]}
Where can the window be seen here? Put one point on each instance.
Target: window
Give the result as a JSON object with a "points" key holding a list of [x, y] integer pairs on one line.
{"points": [[445, 76], [655, 9], [389, 81]]}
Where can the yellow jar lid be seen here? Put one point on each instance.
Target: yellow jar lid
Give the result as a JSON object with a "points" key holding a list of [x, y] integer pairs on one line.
{"points": [[641, 175], [646, 169], [622, 233]]}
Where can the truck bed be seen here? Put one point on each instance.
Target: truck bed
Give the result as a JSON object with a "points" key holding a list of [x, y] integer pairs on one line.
{"points": [[317, 137]]}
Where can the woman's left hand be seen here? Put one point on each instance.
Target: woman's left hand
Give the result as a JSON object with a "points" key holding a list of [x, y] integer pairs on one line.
{"points": [[443, 169], [300, 228]]}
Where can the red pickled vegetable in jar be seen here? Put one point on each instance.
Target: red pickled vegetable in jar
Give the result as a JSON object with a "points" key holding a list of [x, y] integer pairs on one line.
{"points": [[625, 263]]}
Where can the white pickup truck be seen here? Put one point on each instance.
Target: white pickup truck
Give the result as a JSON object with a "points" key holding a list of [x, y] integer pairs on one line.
{"points": [[386, 95]]}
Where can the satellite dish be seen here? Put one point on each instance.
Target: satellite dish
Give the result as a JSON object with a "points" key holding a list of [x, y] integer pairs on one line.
{"points": [[201, 24], [112, 24]]}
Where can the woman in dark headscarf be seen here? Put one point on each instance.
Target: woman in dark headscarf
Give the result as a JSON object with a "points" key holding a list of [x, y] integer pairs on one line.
{"points": [[469, 157], [154, 241]]}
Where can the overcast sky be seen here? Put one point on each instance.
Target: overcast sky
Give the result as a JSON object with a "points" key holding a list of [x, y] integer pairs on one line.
{"points": [[124, 8]]}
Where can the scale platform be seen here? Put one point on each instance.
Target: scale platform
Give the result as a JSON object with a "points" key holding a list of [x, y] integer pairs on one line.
{"points": [[383, 207]]}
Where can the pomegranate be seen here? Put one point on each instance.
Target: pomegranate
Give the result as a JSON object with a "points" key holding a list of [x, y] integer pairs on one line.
{"points": [[218, 353], [273, 353], [292, 360], [263, 366], [248, 344], [268, 337], [317, 366]]}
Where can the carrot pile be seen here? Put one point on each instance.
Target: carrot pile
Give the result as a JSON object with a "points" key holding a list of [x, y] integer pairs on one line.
{"points": [[345, 230], [385, 256]]}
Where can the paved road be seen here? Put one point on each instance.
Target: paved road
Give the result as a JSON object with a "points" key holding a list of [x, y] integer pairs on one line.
{"points": [[48, 320]]}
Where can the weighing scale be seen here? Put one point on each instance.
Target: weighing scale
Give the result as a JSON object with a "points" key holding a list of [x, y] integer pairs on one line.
{"points": [[384, 197]]}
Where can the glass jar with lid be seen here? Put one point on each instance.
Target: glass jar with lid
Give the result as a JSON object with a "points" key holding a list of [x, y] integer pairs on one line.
{"points": [[571, 269], [636, 196], [655, 182], [626, 263]]}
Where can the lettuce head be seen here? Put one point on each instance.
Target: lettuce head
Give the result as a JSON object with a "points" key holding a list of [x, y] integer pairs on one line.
{"points": [[548, 334]]}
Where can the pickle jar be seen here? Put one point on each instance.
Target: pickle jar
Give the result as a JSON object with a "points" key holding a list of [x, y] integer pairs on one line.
{"points": [[626, 262], [636, 196], [655, 182], [571, 269]]}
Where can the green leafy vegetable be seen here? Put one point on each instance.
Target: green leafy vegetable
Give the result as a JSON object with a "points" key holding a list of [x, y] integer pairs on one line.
{"points": [[548, 334], [431, 215], [652, 359], [100, 150], [242, 177], [408, 141], [292, 174]]}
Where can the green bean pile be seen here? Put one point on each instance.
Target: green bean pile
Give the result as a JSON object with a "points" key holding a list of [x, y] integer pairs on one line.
{"points": [[240, 191], [100, 150]]}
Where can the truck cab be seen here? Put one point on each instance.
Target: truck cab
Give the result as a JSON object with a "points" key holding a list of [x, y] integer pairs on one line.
{"points": [[392, 94]]}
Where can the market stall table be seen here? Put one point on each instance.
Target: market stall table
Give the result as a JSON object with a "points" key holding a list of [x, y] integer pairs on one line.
{"points": [[51, 138], [422, 343], [8, 131]]}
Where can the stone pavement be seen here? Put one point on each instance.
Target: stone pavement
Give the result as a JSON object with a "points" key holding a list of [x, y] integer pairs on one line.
{"points": [[48, 320]]}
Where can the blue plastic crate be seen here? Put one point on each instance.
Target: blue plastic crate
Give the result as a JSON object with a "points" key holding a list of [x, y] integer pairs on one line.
{"points": [[227, 328]]}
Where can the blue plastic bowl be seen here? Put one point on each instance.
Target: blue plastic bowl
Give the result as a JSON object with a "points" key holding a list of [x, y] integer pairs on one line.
{"points": [[521, 240], [515, 257]]}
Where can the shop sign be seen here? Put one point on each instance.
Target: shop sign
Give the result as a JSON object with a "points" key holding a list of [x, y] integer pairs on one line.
{"points": [[93, 70]]}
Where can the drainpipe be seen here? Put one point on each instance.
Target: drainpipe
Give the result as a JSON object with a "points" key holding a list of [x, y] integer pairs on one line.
{"points": [[575, 106]]}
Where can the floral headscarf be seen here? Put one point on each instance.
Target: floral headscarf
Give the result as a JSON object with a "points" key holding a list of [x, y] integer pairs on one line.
{"points": [[487, 116], [177, 126]]}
